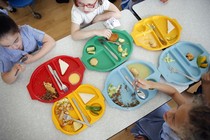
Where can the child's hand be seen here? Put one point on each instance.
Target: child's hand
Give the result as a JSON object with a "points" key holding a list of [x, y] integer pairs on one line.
{"points": [[206, 77], [29, 59], [105, 33], [143, 84], [163, 1], [18, 68]]}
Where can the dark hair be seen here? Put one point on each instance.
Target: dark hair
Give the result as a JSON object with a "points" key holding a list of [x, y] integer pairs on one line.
{"points": [[99, 1], [198, 127], [7, 25], [200, 119]]}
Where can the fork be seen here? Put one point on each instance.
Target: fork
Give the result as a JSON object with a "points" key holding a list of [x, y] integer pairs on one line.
{"points": [[68, 117], [174, 70], [63, 86]]}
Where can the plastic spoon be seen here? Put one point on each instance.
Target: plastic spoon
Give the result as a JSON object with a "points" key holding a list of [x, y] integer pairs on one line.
{"points": [[139, 93]]}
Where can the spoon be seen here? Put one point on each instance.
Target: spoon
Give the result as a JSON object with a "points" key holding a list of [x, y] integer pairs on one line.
{"points": [[22, 59], [138, 92]]}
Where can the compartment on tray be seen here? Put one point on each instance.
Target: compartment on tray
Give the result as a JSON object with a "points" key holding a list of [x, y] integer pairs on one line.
{"points": [[64, 111], [94, 109], [184, 64], [148, 39], [98, 60], [140, 70], [122, 95], [47, 89]]}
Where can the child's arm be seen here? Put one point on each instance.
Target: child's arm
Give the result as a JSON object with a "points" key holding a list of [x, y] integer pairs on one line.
{"points": [[78, 34], [11, 76], [113, 11], [167, 89], [48, 44], [206, 87]]}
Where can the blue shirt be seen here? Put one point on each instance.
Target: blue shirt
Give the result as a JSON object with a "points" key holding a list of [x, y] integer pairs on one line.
{"points": [[32, 41], [154, 127]]}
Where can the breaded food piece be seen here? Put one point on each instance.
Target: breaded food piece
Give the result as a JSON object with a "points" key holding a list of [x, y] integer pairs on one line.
{"points": [[113, 37], [190, 56]]}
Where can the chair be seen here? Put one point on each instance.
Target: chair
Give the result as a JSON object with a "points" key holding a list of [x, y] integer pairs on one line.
{"points": [[24, 3]]}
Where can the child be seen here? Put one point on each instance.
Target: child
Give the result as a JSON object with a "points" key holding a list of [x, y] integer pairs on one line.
{"points": [[4, 4], [16, 42], [85, 12], [188, 121]]}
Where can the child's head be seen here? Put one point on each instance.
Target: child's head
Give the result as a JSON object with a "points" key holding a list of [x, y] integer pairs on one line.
{"points": [[87, 5], [9, 33], [190, 121]]}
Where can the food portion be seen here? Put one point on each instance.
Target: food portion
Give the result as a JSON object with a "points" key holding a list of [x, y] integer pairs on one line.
{"points": [[63, 112], [93, 61], [74, 78], [114, 37], [117, 95], [51, 92], [190, 56], [140, 71], [91, 50], [202, 61], [170, 27], [95, 109], [63, 66], [168, 59], [86, 97]]}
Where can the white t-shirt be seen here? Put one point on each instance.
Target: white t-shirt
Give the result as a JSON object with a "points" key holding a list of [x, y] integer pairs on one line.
{"points": [[84, 19]]}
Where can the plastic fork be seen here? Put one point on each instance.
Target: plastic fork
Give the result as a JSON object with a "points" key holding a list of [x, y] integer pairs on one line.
{"points": [[22, 59], [68, 117], [63, 86], [174, 70]]}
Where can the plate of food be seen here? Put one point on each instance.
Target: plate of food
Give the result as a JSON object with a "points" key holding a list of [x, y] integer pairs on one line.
{"points": [[156, 32], [78, 110], [119, 91], [100, 54], [184, 63], [56, 78]]}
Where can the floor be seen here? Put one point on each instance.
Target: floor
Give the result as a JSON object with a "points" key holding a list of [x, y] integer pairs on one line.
{"points": [[55, 21]]}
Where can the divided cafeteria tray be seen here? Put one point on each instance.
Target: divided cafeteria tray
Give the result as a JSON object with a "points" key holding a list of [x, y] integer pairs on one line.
{"points": [[119, 93], [72, 78], [156, 32], [67, 106], [175, 57], [104, 56]]}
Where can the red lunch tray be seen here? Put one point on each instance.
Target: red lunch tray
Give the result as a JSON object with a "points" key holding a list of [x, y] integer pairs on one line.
{"points": [[42, 74]]}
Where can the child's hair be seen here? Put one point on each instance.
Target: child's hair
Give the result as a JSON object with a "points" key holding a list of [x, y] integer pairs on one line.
{"points": [[198, 127], [7, 25], [99, 1]]}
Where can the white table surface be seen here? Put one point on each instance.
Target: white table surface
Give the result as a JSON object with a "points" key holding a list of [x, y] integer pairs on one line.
{"points": [[25, 119], [192, 15]]}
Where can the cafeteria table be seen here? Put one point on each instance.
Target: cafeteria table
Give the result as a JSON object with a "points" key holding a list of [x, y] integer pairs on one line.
{"points": [[25, 119]]}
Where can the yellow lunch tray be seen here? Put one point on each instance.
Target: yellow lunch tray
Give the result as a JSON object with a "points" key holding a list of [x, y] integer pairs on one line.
{"points": [[156, 32], [65, 109]]}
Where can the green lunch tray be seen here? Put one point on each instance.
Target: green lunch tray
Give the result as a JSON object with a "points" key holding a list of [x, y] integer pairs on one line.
{"points": [[106, 53]]}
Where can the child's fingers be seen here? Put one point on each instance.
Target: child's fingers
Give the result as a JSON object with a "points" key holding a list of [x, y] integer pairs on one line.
{"points": [[107, 33]]}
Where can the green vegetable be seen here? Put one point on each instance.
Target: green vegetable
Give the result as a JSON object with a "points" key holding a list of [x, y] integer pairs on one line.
{"points": [[168, 59], [93, 108]]}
